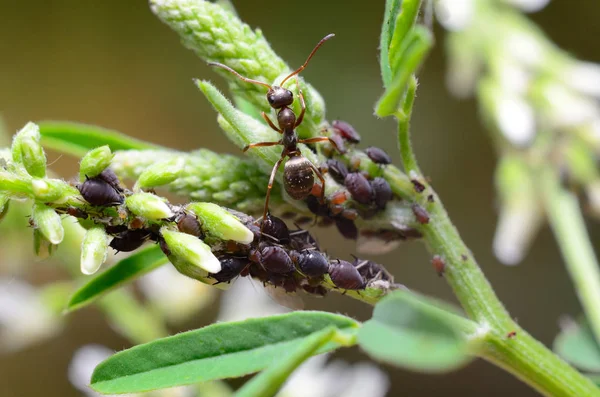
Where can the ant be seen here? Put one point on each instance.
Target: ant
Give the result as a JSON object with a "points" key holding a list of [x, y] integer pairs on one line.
{"points": [[298, 170]]}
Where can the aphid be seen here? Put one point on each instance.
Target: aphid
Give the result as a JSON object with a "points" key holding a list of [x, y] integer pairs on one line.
{"points": [[298, 172], [419, 187], [318, 290], [312, 263], [430, 198], [359, 187], [99, 192], [372, 271], [378, 156], [276, 260], [350, 214], [345, 276], [285, 281], [421, 214], [439, 265], [346, 131], [302, 240], [77, 212], [136, 223], [338, 143], [464, 257], [109, 176], [511, 334], [382, 192], [130, 240], [346, 227], [188, 223], [315, 207], [231, 267], [337, 170], [115, 229], [338, 197], [276, 229]]}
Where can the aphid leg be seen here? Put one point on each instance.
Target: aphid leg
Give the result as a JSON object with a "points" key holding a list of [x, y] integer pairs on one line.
{"points": [[260, 144], [320, 176], [322, 139], [302, 104], [269, 187], [268, 120]]}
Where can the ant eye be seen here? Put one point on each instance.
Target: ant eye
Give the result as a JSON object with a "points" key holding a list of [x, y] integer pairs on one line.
{"points": [[271, 99]]}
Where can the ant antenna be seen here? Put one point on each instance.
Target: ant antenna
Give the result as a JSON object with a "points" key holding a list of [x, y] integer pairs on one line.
{"points": [[246, 79], [301, 68]]}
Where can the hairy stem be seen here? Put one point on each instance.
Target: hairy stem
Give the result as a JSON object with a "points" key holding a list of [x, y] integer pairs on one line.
{"points": [[568, 225]]}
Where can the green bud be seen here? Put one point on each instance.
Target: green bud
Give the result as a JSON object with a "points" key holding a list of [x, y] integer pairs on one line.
{"points": [[190, 249], [94, 248], [48, 222], [581, 161], [220, 223], [161, 173], [148, 205], [31, 131], [41, 246], [33, 157], [94, 162], [50, 190]]}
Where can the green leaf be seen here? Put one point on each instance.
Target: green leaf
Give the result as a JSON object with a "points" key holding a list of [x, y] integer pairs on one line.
{"points": [[268, 382], [416, 333], [577, 345], [405, 21], [217, 351], [124, 271], [77, 139], [418, 45], [392, 9]]}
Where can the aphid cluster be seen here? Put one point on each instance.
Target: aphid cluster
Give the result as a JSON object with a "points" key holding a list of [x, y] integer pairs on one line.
{"points": [[292, 260]]}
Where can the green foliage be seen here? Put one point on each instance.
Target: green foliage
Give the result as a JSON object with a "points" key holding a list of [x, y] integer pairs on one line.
{"points": [[77, 139], [577, 345], [125, 271], [415, 333], [214, 352]]}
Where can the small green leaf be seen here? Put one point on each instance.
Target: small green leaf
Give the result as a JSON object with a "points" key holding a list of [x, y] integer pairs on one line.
{"points": [[419, 45], [217, 351], [268, 382], [124, 271], [405, 21], [415, 333], [577, 345], [77, 139], [392, 9]]}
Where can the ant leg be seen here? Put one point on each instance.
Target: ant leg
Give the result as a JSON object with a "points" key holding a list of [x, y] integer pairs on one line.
{"points": [[302, 103], [260, 144], [322, 139], [268, 120], [269, 187], [320, 176]]}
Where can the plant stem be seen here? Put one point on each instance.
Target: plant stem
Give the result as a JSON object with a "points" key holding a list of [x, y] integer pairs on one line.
{"points": [[569, 229], [520, 354]]}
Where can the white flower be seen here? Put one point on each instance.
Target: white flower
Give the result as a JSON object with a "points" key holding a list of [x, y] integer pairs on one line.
{"points": [[454, 14], [516, 119], [524, 48], [583, 77], [316, 378], [528, 5], [517, 226], [512, 76], [177, 297], [24, 319], [247, 299], [568, 108]]}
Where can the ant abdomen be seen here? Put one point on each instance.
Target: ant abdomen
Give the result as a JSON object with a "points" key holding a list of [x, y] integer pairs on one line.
{"points": [[298, 177]]}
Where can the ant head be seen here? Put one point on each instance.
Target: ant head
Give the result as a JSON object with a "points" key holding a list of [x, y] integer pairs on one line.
{"points": [[279, 97]]}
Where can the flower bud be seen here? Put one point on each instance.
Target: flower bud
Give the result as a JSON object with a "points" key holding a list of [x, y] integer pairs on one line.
{"points": [[220, 223], [51, 190], [33, 157], [94, 162], [93, 250], [160, 174], [41, 246], [30, 131], [148, 205], [48, 222], [190, 249]]}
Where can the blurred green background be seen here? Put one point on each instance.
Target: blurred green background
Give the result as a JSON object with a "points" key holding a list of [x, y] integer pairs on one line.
{"points": [[112, 63]]}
